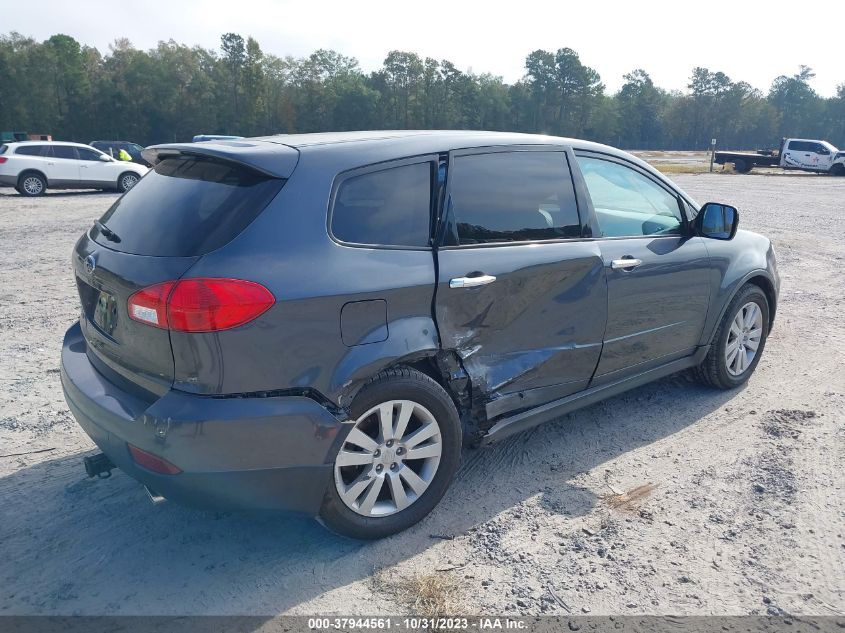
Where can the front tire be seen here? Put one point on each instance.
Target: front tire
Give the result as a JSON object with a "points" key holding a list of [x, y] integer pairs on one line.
{"points": [[126, 181], [838, 170], [399, 458], [739, 341]]}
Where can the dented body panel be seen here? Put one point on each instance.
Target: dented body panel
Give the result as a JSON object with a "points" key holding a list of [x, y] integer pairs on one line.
{"points": [[535, 334]]}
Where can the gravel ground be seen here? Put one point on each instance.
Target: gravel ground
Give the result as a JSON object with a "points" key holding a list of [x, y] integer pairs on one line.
{"points": [[671, 499]]}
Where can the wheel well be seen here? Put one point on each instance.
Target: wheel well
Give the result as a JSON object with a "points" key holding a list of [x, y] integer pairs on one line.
{"points": [[32, 171], [769, 290], [445, 368]]}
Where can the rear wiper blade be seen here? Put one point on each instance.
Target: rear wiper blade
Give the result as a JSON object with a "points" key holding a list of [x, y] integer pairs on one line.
{"points": [[107, 232]]}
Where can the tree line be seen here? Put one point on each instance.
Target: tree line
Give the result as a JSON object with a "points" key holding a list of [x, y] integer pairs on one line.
{"points": [[172, 92]]}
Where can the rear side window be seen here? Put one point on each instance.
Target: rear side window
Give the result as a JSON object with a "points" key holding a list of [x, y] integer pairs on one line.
{"points": [[187, 206], [389, 207], [513, 197], [3, 149], [30, 150], [62, 151]]}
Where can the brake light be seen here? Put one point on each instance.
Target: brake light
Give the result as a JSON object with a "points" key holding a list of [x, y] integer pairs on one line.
{"points": [[153, 462], [3, 159], [200, 305]]}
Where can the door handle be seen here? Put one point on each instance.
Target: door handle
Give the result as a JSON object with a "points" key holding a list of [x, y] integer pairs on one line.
{"points": [[628, 262], [471, 282]]}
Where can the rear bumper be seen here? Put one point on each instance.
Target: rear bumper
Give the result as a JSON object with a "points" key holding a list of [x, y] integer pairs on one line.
{"points": [[272, 453], [8, 181]]}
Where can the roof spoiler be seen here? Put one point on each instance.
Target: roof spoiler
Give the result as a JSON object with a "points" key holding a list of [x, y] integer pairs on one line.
{"points": [[270, 159]]}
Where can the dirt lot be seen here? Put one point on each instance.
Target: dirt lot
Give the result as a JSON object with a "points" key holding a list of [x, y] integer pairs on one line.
{"points": [[672, 499]]}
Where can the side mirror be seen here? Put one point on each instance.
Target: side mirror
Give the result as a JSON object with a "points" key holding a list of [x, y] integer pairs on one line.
{"points": [[105, 159], [717, 221]]}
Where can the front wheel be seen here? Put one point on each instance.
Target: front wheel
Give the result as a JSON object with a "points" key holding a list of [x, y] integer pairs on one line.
{"points": [[127, 181], [739, 341], [838, 169], [397, 460]]}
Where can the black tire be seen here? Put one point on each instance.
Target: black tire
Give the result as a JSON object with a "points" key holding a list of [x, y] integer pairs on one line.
{"points": [[400, 384], [31, 184], [713, 370], [125, 181], [838, 169], [742, 166]]}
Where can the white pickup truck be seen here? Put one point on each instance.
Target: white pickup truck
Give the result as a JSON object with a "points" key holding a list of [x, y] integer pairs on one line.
{"points": [[794, 153]]}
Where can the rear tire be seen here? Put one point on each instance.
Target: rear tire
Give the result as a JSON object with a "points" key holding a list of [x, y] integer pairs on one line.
{"points": [[742, 166], [379, 487], [31, 184], [723, 367]]}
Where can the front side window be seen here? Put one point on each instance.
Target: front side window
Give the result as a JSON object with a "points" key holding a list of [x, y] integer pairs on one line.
{"points": [[30, 150], [627, 203], [88, 154], [513, 197], [389, 207]]}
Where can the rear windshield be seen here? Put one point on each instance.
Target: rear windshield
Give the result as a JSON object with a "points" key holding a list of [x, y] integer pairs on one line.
{"points": [[186, 206]]}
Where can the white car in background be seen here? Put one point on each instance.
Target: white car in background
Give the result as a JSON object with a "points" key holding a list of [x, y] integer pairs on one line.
{"points": [[32, 167]]}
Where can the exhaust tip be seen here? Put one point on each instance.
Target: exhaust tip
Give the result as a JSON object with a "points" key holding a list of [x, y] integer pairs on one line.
{"points": [[155, 498]]}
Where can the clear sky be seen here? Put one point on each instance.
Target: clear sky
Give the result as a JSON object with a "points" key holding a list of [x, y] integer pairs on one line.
{"points": [[746, 39]]}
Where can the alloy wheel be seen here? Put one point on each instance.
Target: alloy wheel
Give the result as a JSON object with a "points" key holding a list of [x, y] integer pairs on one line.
{"points": [[32, 185], [129, 181], [389, 458], [744, 338]]}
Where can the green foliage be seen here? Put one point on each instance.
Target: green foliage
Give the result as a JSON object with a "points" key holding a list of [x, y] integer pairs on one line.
{"points": [[171, 92]]}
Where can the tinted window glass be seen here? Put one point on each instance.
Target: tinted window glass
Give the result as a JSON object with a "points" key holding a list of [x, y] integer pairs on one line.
{"points": [[63, 151], [187, 206], [3, 149], [801, 146], [513, 197], [627, 203], [30, 150], [88, 154], [391, 207]]}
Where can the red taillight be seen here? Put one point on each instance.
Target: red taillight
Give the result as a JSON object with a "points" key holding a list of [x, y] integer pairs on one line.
{"points": [[3, 159], [200, 305], [153, 462], [150, 304]]}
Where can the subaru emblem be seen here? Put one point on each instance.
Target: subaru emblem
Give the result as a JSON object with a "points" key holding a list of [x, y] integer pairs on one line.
{"points": [[90, 264]]}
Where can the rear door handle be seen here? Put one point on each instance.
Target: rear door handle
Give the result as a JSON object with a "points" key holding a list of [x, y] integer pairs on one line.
{"points": [[628, 262], [471, 282]]}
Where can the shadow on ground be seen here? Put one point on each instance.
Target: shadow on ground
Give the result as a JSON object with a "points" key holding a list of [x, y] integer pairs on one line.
{"points": [[98, 547]]}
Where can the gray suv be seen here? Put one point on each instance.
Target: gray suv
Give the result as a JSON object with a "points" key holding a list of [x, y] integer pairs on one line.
{"points": [[318, 323]]}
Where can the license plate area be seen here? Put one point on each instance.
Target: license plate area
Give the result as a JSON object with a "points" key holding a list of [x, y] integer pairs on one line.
{"points": [[105, 312]]}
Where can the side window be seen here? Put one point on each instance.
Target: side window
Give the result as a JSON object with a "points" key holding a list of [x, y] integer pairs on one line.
{"points": [[513, 197], [627, 203], [88, 154], [30, 150], [390, 207], [64, 151]]}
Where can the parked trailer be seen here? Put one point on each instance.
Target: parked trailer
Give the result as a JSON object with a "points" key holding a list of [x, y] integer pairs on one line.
{"points": [[794, 153]]}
